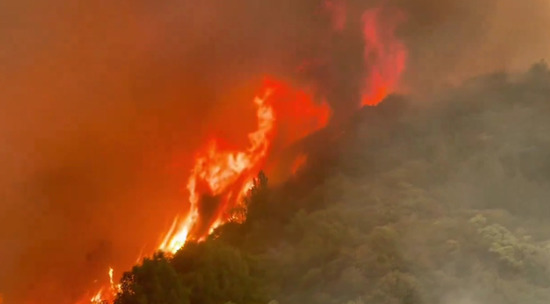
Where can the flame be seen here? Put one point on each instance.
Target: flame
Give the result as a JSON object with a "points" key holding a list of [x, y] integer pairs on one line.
{"points": [[105, 294], [220, 177], [111, 271], [98, 297], [176, 236], [115, 288], [385, 55], [227, 175], [216, 172]]}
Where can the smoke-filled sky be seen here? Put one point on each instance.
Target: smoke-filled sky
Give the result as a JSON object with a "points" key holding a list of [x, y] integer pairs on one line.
{"points": [[104, 102]]}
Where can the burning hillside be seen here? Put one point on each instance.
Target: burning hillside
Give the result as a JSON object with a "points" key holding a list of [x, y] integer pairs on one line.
{"points": [[222, 176], [421, 217], [131, 128], [225, 176]]}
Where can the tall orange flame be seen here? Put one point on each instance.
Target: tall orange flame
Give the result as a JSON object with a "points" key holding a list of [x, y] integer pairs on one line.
{"points": [[225, 176], [220, 173]]}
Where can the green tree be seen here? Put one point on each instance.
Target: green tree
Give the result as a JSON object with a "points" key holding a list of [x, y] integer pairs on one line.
{"points": [[153, 282], [253, 209], [217, 273]]}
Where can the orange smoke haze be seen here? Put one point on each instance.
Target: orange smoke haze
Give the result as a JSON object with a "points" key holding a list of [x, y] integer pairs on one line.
{"points": [[104, 105], [298, 163], [385, 55], [338, 14]]}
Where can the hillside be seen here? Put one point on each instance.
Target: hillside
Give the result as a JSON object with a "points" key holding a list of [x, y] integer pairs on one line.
{"points": [[443, 200]]}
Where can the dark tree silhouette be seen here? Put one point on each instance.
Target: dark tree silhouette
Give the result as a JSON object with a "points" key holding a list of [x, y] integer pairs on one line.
{"points": [[153, 282]]}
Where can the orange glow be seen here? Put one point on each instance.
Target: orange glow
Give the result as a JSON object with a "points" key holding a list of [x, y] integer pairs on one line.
{"points": [[385, 55], [98, 297], [221, 174], [105, 294], [221, 177], [298, 163], [297, 113], [115, 288], [224, 176]]}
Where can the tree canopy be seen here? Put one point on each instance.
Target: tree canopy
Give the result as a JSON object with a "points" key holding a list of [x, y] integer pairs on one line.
{"points": [[423, 203]]}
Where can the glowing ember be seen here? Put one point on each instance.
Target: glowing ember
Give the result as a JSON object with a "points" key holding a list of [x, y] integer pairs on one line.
{"points": [[385, 55]]}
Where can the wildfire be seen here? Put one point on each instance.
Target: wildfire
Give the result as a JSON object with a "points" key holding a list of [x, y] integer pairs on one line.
{"points": [[115, 288], [221, 177], [385, 55], [107, 294], [98, 298], [224, 176]]}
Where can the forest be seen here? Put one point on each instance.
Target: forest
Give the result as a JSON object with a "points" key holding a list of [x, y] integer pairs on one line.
{"points": [[436, 200]]}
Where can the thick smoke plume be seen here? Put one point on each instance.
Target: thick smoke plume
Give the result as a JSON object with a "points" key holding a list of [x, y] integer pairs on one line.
{"points": [[104, 102]]}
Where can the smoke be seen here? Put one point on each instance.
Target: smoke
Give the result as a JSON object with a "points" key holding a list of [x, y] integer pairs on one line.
{"points": [[432, 200], [452, 40], [104, 102]]}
